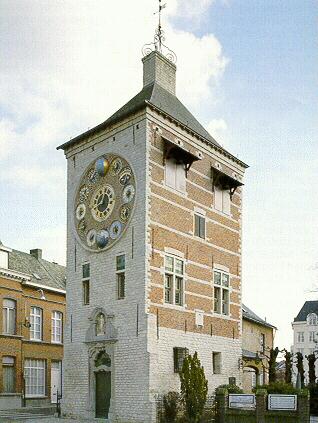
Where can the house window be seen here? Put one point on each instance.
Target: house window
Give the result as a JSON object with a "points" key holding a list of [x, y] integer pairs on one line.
{"points": [[262, 342], [311, 336], [179, 354], [300, 337], [175, 176], [120, 276], [199, 226], [312, 319], [216, 363], [86, 273], [174, 280], [8, 370], [222, 199], [221, 292], [57, 326], [36, 324], [34, 374], [9, 316], [300, 350]]}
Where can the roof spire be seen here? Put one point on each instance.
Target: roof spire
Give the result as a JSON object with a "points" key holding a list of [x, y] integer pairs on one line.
{"points": [[159, 38]]}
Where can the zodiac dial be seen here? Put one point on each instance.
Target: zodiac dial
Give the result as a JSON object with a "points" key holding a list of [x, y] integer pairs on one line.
{"points": [[104, 202]]}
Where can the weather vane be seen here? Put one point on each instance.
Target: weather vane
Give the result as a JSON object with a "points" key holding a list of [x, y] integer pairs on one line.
{"points": [[159, 39]]}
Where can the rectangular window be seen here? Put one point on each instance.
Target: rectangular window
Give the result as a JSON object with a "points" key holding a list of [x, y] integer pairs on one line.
{"points": [[262, 342], [86, 273], [221, 292], [9, 316], [120, 276], [8, 370], [34, 374], [216, 363], [222, 200], [175, 176], [57, 327], [300, 337], [174, 280], [36, 324], [199, 226], [179, 354], [86, 292], [311, 336]]}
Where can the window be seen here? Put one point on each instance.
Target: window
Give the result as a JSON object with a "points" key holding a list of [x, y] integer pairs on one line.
{"points": [[120, 276], [8, 370], [222, 199], [221, 292], [312, 319], [179, 354], [57, 327], [85, 292], [300, 350], [311, 336], [173, 280], [262, 342], [9, 316], [300, 337], [34, 374], [86, 272], [36, 324], [175, 176], [216, 363], [199, 226]]}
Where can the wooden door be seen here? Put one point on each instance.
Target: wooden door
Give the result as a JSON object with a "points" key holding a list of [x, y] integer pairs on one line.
{"points": [[103, 393]]}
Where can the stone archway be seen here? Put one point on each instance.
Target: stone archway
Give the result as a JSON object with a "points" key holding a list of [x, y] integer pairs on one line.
{"points": [[101, 381]]}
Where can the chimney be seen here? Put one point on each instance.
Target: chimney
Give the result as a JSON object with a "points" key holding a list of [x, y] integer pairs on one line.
{"points": [[157, 68], [37, 253]]}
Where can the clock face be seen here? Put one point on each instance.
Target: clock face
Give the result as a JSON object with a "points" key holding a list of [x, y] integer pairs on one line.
{"points": [[104, 202]]}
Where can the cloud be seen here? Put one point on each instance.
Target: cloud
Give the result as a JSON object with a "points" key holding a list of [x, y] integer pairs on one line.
{"points": [[218, 128], [68, 65]]}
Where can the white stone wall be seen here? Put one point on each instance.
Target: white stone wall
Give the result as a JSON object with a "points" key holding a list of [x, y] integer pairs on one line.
{"points": [[162, 376], [130, 367]]}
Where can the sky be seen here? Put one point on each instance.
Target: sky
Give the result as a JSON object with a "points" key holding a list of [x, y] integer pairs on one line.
{"points": [[248, 71]]}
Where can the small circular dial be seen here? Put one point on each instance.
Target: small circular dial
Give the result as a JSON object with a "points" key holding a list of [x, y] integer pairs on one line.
{"points": [[104, 202]]}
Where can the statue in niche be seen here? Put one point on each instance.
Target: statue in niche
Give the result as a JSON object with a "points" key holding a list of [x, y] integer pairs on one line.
{"points": [[100, 324]]}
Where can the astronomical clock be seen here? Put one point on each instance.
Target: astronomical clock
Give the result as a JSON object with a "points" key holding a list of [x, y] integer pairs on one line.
{"points": [[104, 202]]}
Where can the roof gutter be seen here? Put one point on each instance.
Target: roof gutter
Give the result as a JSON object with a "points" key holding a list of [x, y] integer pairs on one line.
{"points": [[47, 288]]}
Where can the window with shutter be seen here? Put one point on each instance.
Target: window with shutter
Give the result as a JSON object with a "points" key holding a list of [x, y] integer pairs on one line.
{"points": [[199, 226]]}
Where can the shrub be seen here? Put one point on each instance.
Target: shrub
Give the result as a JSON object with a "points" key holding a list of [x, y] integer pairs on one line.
{"points": [[278, 388], [232, 389], [194, 388], [171, 406]]}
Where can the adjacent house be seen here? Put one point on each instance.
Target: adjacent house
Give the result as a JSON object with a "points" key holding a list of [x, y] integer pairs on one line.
{"points": [[32, 297], [257, 340], [305, 334]]}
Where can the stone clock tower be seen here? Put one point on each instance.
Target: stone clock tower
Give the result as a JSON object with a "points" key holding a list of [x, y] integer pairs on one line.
{"points": [[153, 254]]}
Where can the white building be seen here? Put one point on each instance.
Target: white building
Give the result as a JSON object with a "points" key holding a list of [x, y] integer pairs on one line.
{"points": [[153, 254], [305, 334]]}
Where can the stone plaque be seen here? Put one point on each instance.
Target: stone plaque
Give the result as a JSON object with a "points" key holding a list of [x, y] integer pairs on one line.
{"points": [[242, 401], [282, 402]]}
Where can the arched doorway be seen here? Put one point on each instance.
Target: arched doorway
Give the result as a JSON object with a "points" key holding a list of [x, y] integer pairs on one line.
{"points": [[103, 389]]}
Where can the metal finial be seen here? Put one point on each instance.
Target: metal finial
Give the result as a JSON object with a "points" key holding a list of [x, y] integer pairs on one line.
{"points": [[159, 39]]}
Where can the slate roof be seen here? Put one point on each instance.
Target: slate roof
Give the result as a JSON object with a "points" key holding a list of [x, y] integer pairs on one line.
{"points": [[307, 308], [248, 314], [154, 95], [51, 274]]}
